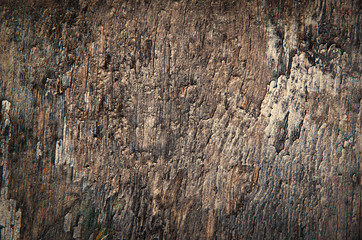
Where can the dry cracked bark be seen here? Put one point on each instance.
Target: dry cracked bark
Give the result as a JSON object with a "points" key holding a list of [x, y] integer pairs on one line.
{"points": [[180, 119]]}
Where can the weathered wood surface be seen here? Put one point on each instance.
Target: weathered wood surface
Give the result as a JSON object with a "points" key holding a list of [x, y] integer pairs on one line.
{"points": [[180, 119]]}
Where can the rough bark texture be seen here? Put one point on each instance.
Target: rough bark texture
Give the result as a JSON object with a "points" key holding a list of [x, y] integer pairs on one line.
{"points": [[180, 119]]}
